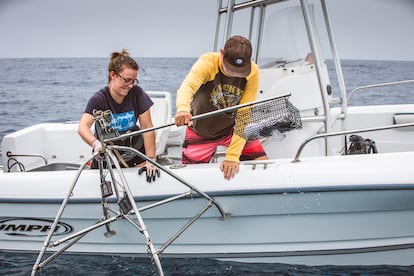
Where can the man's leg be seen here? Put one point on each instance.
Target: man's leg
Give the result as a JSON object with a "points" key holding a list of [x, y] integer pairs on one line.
{"points": [[197, 149], [253, 150]]}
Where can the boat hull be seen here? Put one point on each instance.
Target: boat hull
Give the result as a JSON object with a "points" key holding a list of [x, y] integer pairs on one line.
{"points": [[290, 218]]}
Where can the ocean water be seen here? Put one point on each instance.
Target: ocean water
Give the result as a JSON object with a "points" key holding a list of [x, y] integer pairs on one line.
{"points": [[57, 89]]}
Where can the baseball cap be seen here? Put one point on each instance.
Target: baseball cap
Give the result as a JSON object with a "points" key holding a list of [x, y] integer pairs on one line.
{"points": [[237, 55]]}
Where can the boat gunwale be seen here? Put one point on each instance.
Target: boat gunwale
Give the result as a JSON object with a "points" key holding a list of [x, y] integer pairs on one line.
{"points": [[230, 192]]}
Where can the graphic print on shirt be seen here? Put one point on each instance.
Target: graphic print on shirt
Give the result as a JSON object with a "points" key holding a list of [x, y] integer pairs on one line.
{"points": [[225, 95], [124, 121]]}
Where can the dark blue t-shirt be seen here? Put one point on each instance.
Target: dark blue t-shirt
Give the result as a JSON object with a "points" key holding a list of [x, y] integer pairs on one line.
{"points": [[125, 115]]}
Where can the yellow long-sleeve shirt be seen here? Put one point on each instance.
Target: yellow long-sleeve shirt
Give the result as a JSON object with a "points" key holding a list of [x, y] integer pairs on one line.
{"points": [[206, 88]]}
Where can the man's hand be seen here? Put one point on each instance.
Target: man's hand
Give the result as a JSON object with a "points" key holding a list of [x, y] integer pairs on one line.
{"points": [[229, 169], [183, 118]]}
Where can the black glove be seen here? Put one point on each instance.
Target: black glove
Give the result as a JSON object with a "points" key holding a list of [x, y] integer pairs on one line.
{"points": [[151, 171]]}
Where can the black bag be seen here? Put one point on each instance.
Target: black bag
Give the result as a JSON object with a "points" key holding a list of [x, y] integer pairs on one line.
{"points": [[359, 145]]}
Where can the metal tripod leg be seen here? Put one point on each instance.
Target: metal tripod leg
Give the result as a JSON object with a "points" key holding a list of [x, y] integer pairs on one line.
{"points": [[106, 190], [57, 218], [141, 224], [110, 158]]}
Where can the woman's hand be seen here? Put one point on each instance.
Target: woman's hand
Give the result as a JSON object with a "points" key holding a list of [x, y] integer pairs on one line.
{"points": [[152, 171]]}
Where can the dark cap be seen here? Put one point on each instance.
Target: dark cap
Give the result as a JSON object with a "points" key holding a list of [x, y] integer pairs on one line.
{"points": [[237, 55]]}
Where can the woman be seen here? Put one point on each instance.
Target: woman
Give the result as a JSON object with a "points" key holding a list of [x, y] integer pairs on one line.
{"points": [[128, 104]]}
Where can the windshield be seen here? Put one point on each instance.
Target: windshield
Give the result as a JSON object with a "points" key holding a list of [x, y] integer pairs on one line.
{"points": [[284, 36]]}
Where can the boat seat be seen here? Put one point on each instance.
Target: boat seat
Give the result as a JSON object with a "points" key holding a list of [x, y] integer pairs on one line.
{"points": [[161, 114], [404, 118], [41, 144]]}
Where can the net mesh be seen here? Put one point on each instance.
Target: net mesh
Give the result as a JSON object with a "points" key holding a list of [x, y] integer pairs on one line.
{"points": [[260, 120]]}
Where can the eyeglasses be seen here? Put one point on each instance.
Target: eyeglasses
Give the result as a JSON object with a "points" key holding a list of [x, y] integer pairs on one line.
{"points": [[128, 81]]}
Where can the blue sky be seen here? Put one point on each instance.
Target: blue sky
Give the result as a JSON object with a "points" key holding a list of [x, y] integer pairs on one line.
{"points": [[181, 28]]}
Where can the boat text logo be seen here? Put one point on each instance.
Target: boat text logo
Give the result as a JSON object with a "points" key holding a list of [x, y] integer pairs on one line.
{"points": [[32, 227]]}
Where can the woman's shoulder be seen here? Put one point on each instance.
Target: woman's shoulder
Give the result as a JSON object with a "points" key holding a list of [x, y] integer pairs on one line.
{"points": [[137, 92], [101, 94], [98, 100], [139, 95]]}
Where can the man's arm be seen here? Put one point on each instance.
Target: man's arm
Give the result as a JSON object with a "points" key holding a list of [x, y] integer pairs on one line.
{"points": [[237, 142]]}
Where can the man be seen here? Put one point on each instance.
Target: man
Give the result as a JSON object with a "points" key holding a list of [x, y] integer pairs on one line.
{"points": [[217, 81]]}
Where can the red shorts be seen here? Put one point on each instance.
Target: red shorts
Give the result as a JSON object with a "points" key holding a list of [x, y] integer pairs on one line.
{"points": [[197, 149]]}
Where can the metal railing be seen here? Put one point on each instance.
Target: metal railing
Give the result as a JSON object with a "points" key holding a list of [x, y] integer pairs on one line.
{"points": [[325, 135], [10, 155], [377, 85]]}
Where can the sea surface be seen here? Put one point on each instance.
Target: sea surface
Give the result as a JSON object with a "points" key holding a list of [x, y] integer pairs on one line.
{"points": [[57, 89]]}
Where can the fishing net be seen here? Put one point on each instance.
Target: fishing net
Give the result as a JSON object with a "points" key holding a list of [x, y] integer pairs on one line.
{"points": [[262, 120]]}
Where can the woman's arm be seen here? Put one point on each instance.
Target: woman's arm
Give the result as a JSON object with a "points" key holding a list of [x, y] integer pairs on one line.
{"points": [[84, 129], [145, 122]]}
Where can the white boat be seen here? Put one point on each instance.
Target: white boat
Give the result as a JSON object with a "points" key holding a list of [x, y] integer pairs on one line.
{"points": [[316, 201]]}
